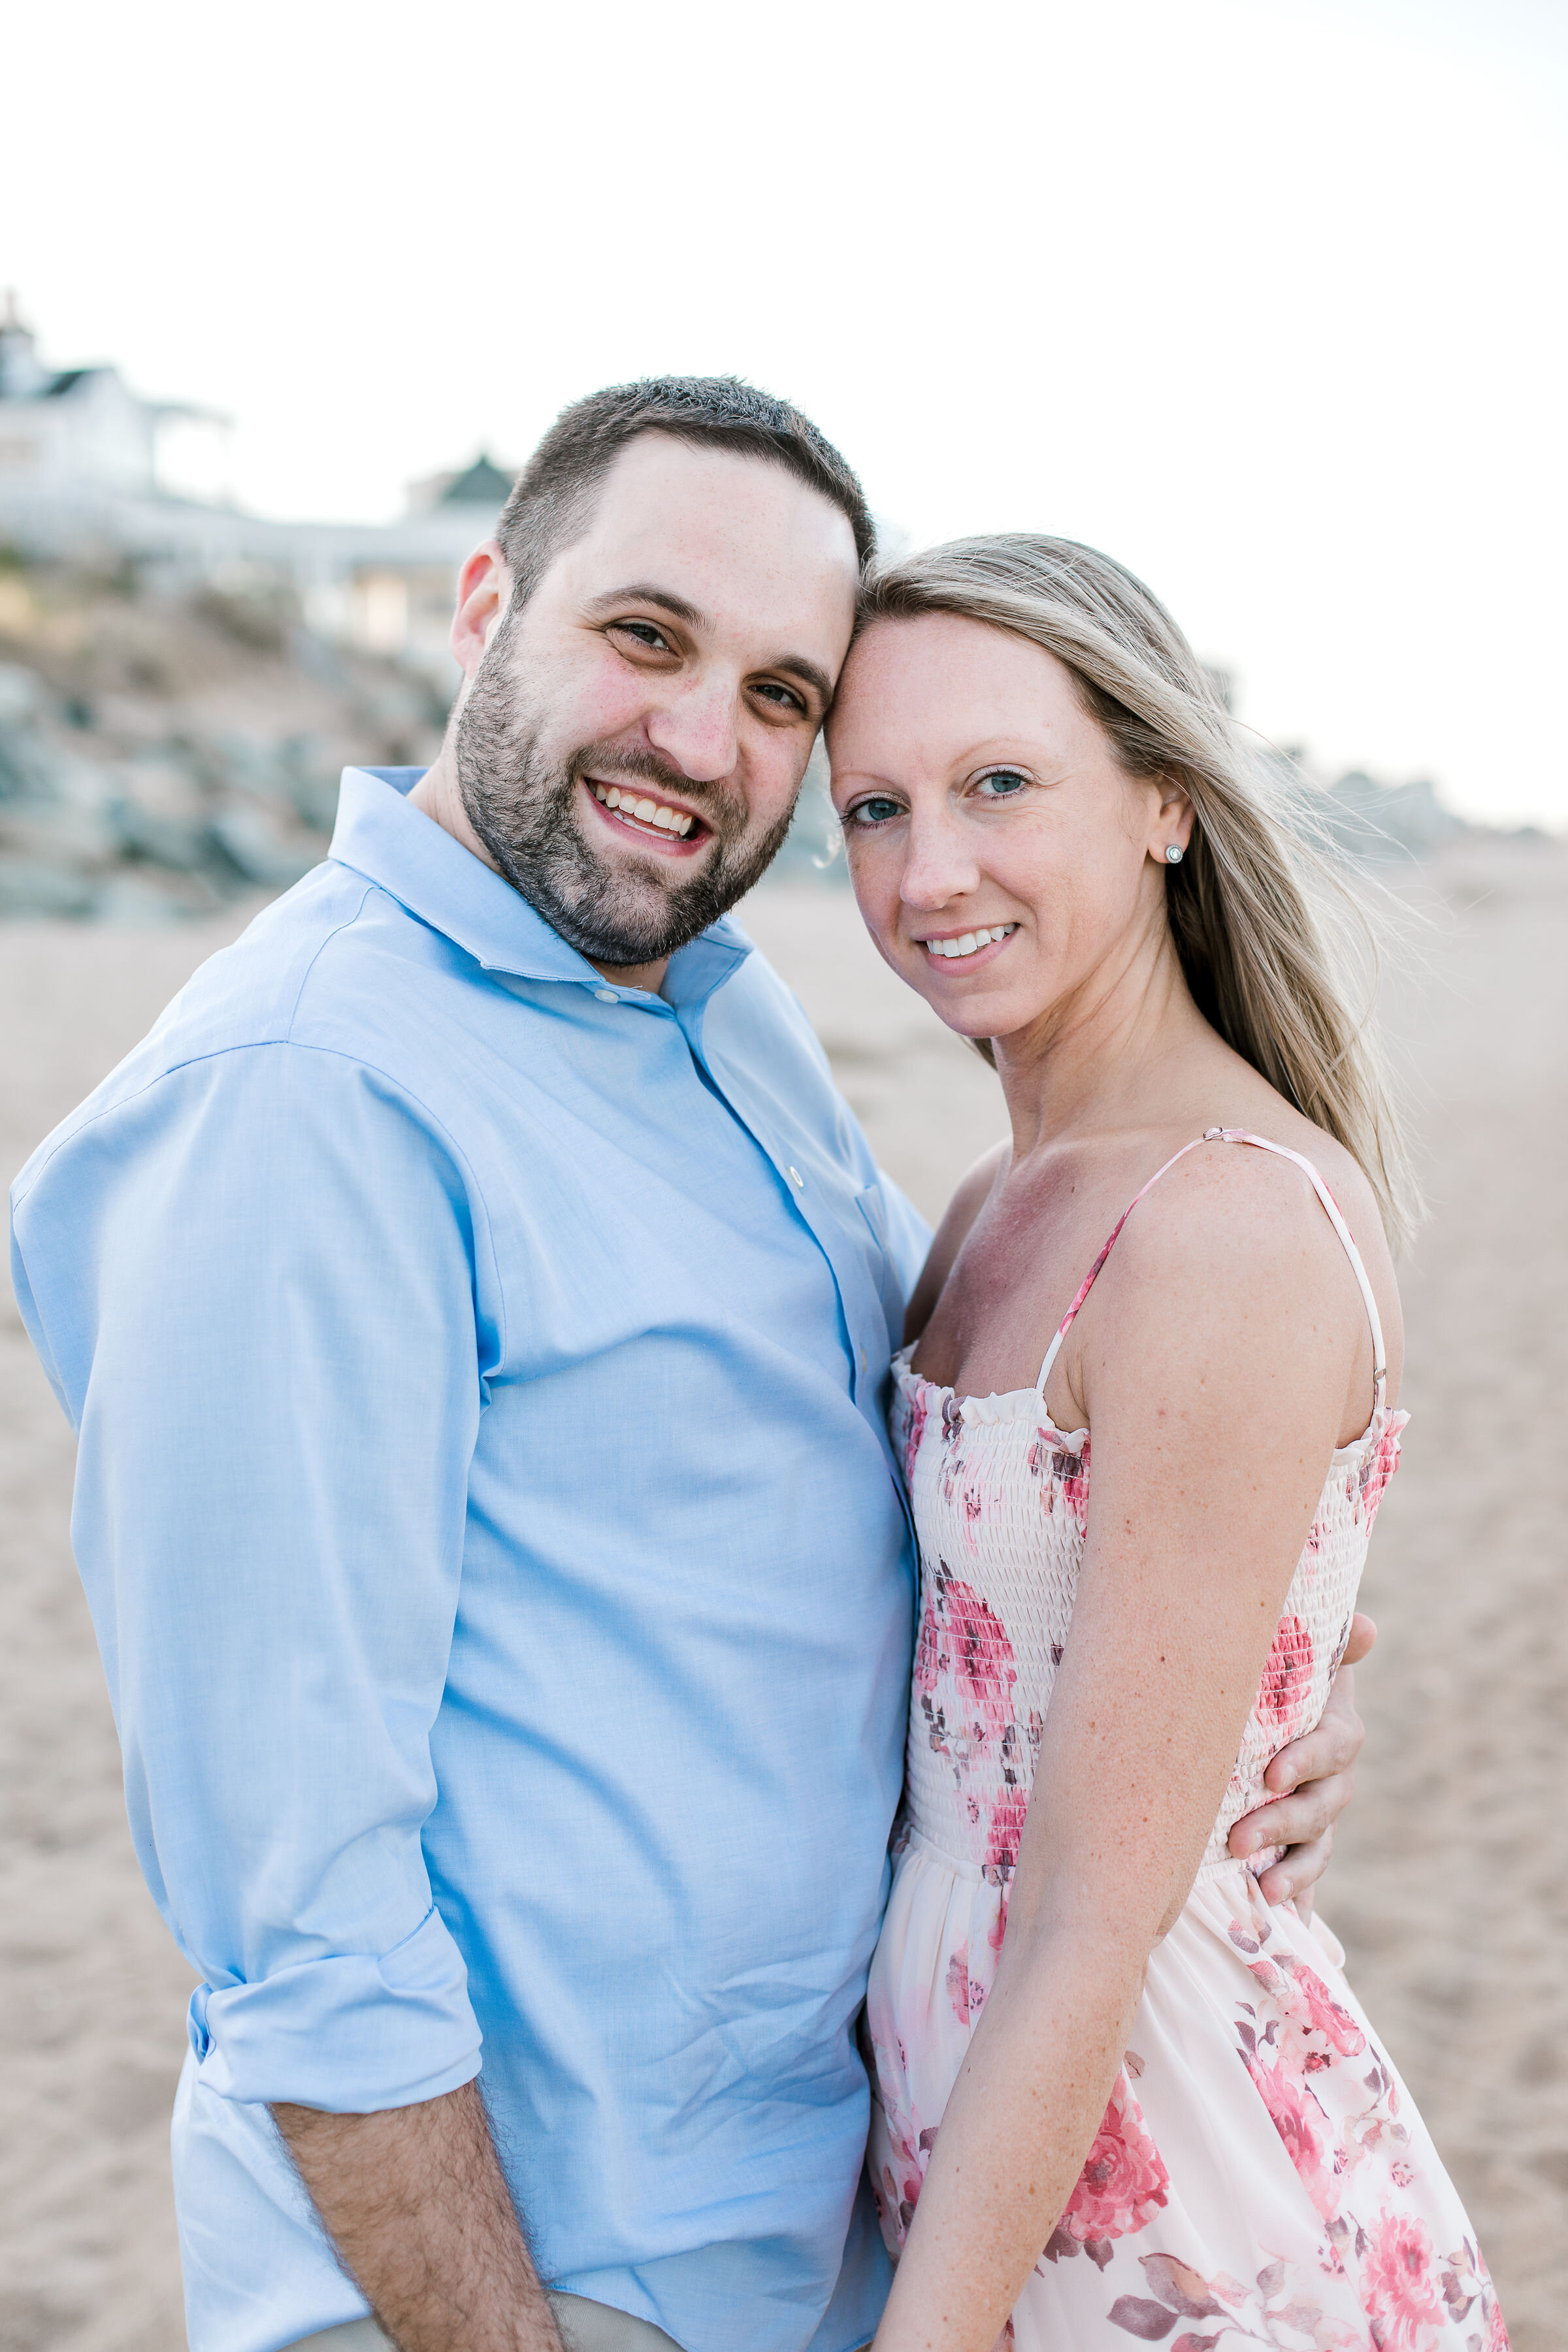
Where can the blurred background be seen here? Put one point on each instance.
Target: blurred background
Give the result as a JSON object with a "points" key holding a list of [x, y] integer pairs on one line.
{"points": [[1264, 298]]}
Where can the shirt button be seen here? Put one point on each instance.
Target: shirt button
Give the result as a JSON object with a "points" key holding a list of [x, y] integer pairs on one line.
{"points": [[607, 996], [798, 1179]]}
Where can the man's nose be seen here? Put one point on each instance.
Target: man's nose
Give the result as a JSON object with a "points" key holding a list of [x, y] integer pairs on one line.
{"points": [[696, 730], [939, 864]]}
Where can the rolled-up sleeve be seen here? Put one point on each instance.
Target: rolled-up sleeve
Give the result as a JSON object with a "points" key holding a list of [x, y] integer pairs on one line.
{"points": [[253, 1286]]}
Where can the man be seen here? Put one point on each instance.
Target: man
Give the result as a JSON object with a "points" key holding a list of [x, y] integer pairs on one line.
{"points": [[475, 1306]]}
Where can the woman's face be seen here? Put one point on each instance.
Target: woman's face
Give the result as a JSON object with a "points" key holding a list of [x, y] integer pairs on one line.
{"points": [[977, 798]]}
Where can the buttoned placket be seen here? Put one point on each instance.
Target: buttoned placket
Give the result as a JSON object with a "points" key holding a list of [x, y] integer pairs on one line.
{"points": [[860, 1306]]}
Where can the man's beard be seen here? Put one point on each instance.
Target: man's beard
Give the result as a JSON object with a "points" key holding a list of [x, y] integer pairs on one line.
{"points": [[523, 805]]}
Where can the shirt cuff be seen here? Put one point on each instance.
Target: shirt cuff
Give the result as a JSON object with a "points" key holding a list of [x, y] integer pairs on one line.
{"points": [[351, 2035]]}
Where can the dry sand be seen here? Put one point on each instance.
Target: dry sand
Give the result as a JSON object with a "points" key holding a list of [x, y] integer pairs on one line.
{"points": [[1450, 1887]]}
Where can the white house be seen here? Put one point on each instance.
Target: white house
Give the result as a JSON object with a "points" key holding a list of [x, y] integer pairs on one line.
{"points": [[61, 429], [83, 472]]}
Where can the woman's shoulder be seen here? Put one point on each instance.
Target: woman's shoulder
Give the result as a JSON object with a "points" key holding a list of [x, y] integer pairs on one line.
{"points": [[1277, 1122], [1239, 1217]]}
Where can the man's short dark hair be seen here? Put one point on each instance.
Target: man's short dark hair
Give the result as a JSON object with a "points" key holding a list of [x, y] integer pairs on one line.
{"points": [[553, 496]]}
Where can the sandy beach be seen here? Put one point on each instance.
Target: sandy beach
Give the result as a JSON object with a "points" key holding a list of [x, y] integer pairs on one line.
{"points": [[1451, 1884]]}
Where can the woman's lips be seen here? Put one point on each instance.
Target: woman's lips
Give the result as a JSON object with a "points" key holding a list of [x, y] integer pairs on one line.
{"points": [[962, 951]]}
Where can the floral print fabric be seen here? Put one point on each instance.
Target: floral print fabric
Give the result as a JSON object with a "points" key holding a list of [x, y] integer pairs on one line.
{"points": [[1259, 2175]]}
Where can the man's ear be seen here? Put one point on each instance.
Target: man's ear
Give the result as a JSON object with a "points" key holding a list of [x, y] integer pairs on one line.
{"points": [[484, 593]]}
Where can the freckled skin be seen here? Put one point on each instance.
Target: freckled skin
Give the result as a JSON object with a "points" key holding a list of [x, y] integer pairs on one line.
{"points": [[976, 792]]}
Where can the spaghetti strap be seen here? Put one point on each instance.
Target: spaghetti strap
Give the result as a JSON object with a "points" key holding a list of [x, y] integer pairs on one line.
{"points": [[1330, 1206], [1065, 1326]]}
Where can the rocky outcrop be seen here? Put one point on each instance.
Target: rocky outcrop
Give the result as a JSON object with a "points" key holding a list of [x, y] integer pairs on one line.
{"points": [[159, 756]]}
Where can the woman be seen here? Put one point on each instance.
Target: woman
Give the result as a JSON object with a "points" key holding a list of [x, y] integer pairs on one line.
{"points": [[1118, 2096]]}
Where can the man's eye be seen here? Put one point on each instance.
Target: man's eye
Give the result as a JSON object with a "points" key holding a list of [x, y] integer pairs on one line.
{"points": [[646, 635], [1002, 783], [783, 696], [874, 812]]}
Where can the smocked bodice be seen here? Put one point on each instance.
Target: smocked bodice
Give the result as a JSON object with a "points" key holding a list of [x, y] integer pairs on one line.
{"points": [[1001, 1500]]}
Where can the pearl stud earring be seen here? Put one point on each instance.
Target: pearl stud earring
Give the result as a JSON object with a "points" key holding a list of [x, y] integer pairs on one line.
{"points": [[1172, 853]]}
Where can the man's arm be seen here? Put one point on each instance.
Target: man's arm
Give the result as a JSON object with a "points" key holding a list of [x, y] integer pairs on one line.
{"points": [[1314, 1781], [258, 1288], [416, 2204]]}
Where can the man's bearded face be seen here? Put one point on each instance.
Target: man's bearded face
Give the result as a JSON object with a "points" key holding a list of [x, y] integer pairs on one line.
{"points": [[524, 789]]}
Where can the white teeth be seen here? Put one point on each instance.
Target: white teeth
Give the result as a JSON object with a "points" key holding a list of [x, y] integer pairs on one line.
{"points": [[968, 943], [645, 810]]}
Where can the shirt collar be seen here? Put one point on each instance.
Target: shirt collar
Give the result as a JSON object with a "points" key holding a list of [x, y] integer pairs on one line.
{"points": [[408, 853]]}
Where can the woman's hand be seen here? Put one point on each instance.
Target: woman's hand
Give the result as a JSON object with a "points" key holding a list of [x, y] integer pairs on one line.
{"points": [[1314, 1781]]}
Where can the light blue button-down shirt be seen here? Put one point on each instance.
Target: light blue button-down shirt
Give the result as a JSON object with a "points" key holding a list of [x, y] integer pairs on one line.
{"points": [[501, 1575]]}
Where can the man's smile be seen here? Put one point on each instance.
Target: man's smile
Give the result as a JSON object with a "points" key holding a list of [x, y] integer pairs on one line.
{"points": [[632, 807]]}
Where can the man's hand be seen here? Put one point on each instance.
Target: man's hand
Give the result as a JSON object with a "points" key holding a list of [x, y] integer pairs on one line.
{"points": [[416, 2204], [1313, 1782]]}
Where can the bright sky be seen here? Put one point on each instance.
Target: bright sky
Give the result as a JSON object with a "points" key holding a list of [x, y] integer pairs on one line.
{"points": [[1265, 297]]}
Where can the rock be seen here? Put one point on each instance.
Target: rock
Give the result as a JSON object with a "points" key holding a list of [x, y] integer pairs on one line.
{"points": [[259, 768], [22, 697], [38, 887], [313, 781], [25, 764], [143, 899], [162, 813], [60, 832], [261, 849]]}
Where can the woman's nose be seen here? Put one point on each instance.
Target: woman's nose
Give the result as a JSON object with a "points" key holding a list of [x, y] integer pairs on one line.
{"points": [[696, 732], [939, 865]]}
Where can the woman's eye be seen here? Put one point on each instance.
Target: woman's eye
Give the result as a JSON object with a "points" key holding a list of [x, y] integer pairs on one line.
{"points": [[1002, 783], [866, 813]]}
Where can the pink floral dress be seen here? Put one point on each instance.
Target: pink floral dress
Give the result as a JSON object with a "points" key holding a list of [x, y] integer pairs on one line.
{"points": [[1260, 2176]]}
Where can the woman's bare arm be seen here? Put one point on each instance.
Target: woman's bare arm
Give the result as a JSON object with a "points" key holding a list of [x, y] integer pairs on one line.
{"points": [[1215, 1371]]}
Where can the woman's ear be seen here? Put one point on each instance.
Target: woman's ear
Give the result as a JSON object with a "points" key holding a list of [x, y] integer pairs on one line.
{"points": [[1172, 829]]}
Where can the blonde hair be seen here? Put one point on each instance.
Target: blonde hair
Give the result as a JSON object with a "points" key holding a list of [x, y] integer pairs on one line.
{"points": [[1276, 949]]}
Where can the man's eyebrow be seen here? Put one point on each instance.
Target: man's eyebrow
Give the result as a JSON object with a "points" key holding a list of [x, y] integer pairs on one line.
{"points": [[796, 666], [648, 592]]}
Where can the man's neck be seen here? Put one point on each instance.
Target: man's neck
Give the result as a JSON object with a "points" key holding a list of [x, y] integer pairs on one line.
{"points": [[436, 796]]}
